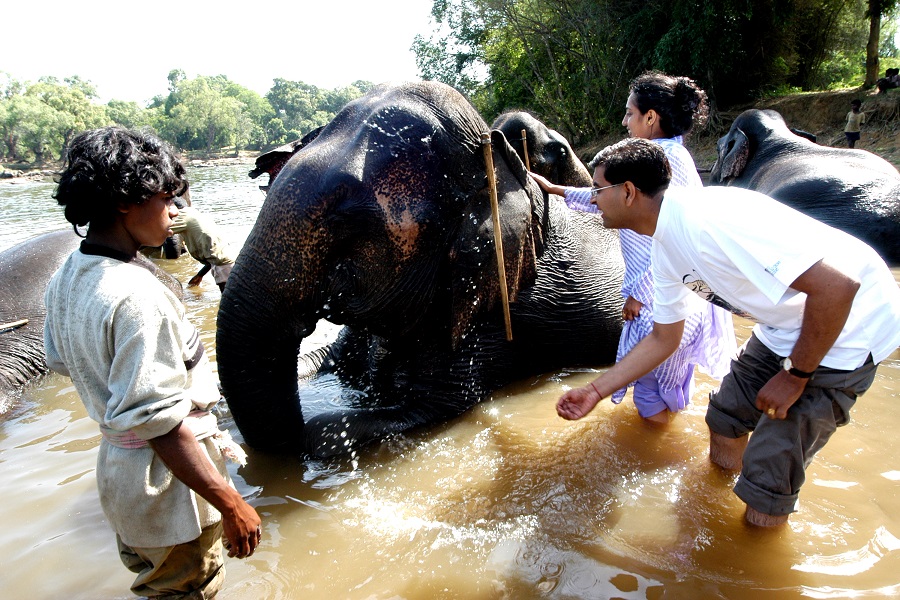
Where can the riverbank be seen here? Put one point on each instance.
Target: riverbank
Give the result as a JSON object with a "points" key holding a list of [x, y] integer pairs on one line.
{"points": [[19, 173], [823, 114]]}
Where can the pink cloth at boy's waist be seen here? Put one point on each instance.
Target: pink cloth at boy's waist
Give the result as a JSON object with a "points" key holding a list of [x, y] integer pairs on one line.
{"points": [[201, 423]]}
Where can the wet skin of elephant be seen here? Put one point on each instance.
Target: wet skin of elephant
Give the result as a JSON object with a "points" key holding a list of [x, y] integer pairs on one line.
{"points": [[383, 224], [549, 153], [25, 270], [852, 190]]}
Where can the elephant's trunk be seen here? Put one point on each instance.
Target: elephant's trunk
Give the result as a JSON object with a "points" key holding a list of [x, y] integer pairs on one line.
{"points": [[262, 320]]}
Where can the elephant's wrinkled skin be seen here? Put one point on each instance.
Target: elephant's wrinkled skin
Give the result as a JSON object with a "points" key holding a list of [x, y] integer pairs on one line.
{"points": [[25, 270], [383, 224], [549, 153], [852, 190]]}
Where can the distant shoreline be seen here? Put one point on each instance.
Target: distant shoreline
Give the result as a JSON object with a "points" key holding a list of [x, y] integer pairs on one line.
{"points": [[18, 173]]}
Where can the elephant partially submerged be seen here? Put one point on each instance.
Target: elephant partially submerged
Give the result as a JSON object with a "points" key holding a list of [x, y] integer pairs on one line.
{"points": [[549, 153], [383, 224], [25, 270], [852, 190]]}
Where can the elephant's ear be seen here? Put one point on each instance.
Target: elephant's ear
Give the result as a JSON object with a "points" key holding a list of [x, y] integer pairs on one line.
{"points": [[475, 283], [734, 153]]}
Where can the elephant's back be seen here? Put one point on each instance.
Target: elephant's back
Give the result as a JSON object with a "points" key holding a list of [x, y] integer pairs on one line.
{"points": [[36, 258], [851, 193], [25, 270]]}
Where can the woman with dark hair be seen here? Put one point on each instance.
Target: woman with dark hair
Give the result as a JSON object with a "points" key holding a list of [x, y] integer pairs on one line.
{"points": [[141, 371], [661, 108]]}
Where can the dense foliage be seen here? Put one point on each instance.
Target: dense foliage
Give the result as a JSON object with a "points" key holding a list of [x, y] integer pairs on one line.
{"points": [[571, 61], [209, 114], [568, 61]]}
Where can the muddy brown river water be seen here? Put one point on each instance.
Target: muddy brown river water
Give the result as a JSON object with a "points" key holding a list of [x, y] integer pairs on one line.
{"points": [[506, 502]]}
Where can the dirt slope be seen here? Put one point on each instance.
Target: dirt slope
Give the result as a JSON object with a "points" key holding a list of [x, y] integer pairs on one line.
{"points": [[821, 113]]}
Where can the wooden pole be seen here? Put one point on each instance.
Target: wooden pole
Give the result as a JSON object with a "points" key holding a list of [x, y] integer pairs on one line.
{"points": [[13, 325], [525, 147], [498, 235]]}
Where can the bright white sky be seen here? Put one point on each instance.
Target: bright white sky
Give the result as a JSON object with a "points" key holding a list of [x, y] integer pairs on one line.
{"points": [[127, 48]]}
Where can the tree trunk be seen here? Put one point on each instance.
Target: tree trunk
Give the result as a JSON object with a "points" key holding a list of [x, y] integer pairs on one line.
{"points": [[873, 43]]}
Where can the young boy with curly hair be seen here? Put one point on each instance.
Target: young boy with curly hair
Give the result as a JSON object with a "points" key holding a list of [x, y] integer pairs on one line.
{"points": [[141, 371]]}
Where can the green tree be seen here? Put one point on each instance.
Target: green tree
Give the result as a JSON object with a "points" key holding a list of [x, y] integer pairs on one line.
{"points": [[203, 116], [38, 127], [299, 107], [210, 113], [128, 114], [73, 107], [877, 9]]}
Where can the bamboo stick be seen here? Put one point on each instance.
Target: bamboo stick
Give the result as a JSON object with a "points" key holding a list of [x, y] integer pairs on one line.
{"points": [[498, 235], [525, 147], [13, 324]]}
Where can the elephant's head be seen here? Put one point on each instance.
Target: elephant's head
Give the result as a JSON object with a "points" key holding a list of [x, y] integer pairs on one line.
{"points": [[549, 153], [382, 222], [753, 133]]}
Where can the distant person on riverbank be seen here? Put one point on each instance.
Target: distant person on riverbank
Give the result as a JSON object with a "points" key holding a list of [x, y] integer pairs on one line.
{"points": [[201, 237], [826, 305], [855, 118], [890, 80], [142, 373]]}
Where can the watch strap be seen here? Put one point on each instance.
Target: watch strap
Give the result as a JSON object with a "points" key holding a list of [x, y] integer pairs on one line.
{"points": [[801, 374]]}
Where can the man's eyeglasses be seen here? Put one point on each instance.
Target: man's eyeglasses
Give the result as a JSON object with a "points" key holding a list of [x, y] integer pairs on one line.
{"points": [[597, 190]]}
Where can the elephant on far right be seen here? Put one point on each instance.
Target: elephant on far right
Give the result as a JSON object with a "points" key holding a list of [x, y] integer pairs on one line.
{"points": [[851, 190]]}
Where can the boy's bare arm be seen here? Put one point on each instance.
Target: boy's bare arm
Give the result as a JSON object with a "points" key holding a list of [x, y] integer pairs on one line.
{"points": [[180, 451]]}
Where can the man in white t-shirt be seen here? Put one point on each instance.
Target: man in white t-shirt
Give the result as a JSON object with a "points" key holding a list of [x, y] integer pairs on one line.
{"points": [[826, 305]]}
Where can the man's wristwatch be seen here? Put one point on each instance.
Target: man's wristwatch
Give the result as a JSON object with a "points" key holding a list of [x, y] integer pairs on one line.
{"points": [[788, 366]]}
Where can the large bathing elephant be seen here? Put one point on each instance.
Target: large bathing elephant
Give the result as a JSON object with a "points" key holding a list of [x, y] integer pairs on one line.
{"points": [[549, 153], [852, 190], [25, 270], [383, 224]]}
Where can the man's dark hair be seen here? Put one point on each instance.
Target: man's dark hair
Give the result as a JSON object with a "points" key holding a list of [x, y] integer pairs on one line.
{"points": [[111, 166], [637, 160]]}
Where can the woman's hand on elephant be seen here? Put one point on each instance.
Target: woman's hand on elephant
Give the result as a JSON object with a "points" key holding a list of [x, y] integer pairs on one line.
{"points": [[578, 402], [632, 309], [547, 186]]}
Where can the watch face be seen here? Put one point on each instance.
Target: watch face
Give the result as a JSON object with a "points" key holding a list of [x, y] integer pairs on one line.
{"points": [[787, 364]]}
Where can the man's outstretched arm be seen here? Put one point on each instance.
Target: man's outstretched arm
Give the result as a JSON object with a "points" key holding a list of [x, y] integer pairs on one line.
{"points": [[649, 353]]}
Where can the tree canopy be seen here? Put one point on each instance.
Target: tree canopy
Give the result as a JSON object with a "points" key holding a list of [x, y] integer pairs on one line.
{"points": [[571, 61], [206, 113], [568, 61]]}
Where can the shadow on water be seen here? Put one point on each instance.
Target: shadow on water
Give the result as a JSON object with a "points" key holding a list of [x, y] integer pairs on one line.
{"points": [[506, 502]]}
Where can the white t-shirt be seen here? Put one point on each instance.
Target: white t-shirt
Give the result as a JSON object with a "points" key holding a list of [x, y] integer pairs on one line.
{"points": [[741, 250]]}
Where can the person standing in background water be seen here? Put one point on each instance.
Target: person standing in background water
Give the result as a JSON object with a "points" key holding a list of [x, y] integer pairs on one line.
{"points": [[201, 237], [141, 371], [661, 108]]}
